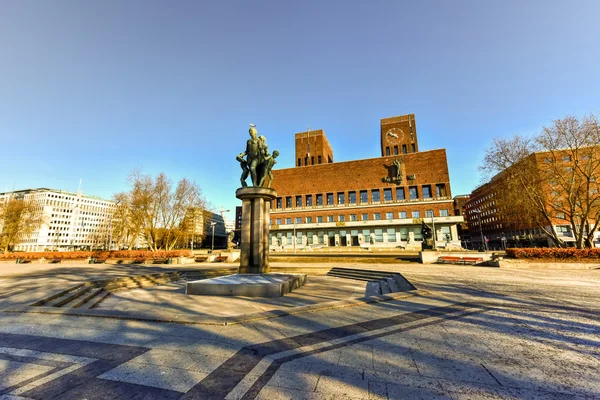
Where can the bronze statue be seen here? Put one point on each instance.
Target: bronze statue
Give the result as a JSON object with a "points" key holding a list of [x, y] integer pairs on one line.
{"points": [[257, 162]]}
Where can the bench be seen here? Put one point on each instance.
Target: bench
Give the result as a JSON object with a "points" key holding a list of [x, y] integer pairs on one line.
{"points": [[200, 259], [54, 261], [220, 258], [449, 260], [472, 260], [160, 261], [139, 261]]}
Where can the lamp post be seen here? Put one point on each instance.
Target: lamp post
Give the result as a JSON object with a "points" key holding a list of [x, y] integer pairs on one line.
{"points": [[212, 247], [294, 238], [433, 228], [480, 228]]}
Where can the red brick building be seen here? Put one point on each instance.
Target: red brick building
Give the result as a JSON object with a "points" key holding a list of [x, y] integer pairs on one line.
{"points": [[373, 202]]}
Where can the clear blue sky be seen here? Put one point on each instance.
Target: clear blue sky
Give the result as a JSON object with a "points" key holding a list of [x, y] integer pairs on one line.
{"points": [[94, 89]]}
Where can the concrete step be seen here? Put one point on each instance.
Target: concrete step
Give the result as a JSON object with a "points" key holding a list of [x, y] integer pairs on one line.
{"points": [[99, 298], [392, 285], [385, 289], [69, 297], [373, 288]]}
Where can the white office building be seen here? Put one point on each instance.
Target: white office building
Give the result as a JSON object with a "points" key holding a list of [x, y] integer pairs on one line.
{"points": [[70, 221]]}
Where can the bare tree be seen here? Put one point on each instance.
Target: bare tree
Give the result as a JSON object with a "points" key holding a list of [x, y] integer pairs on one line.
{"points": [[159, 210], [19, 217], [550, 177]]}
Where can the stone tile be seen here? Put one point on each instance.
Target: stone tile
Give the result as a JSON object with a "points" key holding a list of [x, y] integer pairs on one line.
{"points": [[295, 379], [377, 391], [343, 385], [13, 373], [417, 381], [357, 356], [179, 359], [453, 367], [176, 379], [395, 391]]}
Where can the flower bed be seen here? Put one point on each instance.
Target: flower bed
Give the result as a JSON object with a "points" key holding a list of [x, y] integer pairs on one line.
{"points": [[84, 255], [555, 253]]}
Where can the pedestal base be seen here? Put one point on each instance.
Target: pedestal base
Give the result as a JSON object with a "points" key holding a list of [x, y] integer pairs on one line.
{"points": [[250, 285], [256, 204]]}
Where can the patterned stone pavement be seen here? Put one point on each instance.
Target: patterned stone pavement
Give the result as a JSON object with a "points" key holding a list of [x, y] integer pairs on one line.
{"points": [[469, 333]]}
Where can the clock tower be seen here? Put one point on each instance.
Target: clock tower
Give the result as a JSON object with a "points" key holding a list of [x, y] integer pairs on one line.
{"points": [[399, 135]]}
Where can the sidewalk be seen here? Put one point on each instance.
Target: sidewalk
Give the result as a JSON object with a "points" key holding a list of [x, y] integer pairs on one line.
{"points": [[477, 333]]}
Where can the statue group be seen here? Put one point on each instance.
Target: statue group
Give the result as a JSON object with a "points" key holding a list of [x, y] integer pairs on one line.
{"points": [[256, 160]]}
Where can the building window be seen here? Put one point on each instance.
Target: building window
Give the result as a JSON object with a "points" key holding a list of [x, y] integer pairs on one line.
{"points": [[330, 218], [375, 196], [278, 221], [389, 215], [429, 214], [299, 162], [309, 238], [319, 199], [566, 158], [319, 159], [298, 201], [341, 218], [391, 235], [387, 151], [320, 237], [329, 199], [352, 217], [377, 216], [288, 202], [403, 150], [395, 150], [364, 196], [298, 237], [560, 215], [366, 235], [288, 221], [443, 213], [378, 235], [402, 215], [341, 198], [309, 220], [387, 194], [413, 193], [440, 190], [426, 191], [279, 202], [364, 217], [416, 214], [319, 219], [412, 146], [309, 200], [312, 160], [352, 197], [400, 193], [298, 220]]}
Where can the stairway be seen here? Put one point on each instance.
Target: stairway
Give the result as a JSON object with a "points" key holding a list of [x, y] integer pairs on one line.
{"points": [[89, 295], [378, 282]]}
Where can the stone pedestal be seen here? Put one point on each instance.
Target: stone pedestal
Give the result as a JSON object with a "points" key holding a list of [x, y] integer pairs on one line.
{"points": [[256, 204]]}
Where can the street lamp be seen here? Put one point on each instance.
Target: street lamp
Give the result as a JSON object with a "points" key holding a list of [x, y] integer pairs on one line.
{"points": [[294, 238], [212, 247], [478, 212], [433, 228]]}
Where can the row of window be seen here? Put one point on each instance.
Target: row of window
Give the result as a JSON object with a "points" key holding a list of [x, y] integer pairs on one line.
{"points": [[388, 149], [366, 235], [339, 198], [354, 217]]}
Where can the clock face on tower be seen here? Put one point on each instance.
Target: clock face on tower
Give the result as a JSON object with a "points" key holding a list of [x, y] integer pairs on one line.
{"points": [[394, 136]]}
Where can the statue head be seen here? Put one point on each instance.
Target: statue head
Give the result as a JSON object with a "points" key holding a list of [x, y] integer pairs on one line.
{"points": [[275, 153], [253, 132]]}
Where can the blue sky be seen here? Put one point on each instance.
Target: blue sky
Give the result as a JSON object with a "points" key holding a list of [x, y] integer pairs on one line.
{"points": [[93, 90]]}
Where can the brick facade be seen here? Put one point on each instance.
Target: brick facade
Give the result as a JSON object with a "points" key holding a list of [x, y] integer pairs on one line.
{"points": [[353, 203]]}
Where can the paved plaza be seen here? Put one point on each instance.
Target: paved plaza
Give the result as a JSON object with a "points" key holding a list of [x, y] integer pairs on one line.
{"points": [[466, 333]]}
